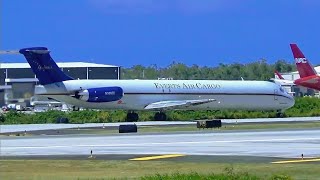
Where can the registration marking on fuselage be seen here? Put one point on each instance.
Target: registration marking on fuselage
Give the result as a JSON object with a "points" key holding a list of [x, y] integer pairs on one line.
{"points": [[296, 161], [147, 158]]}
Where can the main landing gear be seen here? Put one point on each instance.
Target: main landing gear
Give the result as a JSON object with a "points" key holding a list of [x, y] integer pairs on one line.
{"points": [[160, 116], [132, 116]]}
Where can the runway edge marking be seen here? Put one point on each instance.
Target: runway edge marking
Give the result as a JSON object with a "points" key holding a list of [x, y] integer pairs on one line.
{"points": [[296, 161], [147, 158]]}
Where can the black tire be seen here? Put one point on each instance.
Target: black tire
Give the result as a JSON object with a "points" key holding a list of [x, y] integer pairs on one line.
{"points": [[163, 117], [132, 117], [75, 108], [135, 117], [129, 117], [157, 116], [280, 115]]}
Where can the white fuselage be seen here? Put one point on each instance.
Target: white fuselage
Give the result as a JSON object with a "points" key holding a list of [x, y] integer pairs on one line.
{"points": [[245, 95], [284, 82]]}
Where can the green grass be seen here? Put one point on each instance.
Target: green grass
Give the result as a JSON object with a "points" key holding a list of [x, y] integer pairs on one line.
{"points": [[100, 169], [225, 127], [197, 176], [239, 126], [181, 128], [213, 176]]}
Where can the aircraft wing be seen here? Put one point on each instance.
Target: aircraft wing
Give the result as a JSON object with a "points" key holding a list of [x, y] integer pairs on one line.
{"points": [[177, 104]]}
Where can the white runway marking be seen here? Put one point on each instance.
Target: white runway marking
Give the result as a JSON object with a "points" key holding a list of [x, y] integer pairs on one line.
{"points": [[162, 143]]}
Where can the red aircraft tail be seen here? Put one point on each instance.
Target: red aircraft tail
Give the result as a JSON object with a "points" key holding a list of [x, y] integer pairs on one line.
{"points": [[304, 67], [278, 74]]}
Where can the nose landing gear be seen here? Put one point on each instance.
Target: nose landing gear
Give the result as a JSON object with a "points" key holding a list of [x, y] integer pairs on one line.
{"points": [[280, 114]]}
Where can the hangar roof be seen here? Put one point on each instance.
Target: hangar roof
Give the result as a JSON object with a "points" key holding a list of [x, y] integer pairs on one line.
{"points": [[60, 64], [317, 68]]}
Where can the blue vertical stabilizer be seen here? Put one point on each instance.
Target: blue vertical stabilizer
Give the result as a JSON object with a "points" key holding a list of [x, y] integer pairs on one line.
{"points": [[43, 65]]}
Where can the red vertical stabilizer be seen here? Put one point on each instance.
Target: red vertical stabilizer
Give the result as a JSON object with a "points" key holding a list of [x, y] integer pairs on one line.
{"points": [[304, 67]]}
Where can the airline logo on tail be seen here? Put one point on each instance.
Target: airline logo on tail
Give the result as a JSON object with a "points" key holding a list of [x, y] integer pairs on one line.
{"points": [[300, 60], [304, 67], [308, 76]]}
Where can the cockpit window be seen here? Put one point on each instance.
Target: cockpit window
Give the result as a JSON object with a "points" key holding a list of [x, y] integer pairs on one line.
{"points": [[282, 90]]}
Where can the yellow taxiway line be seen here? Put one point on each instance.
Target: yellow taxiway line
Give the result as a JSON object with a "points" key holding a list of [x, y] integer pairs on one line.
{"points": [[156, 157], [296, 161]]}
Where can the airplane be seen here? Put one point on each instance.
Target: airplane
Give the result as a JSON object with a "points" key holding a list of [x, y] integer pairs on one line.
{"points": [[153, 95], [308, 75], [280, 80], [276, 73]]}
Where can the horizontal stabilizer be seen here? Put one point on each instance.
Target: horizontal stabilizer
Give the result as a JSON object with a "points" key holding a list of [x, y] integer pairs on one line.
{"points": [[176, 104], [9, 52], [41, 64], [309, 82]]}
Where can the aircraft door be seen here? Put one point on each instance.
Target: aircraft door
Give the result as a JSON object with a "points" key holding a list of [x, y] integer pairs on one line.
{"points": [[275, 95]]}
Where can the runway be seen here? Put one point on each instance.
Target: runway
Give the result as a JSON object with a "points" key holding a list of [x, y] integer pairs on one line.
{"points": [[267, 143]]}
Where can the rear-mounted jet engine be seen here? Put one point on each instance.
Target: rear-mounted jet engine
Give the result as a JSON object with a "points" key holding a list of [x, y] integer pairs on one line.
{"points": [[103, 94]]}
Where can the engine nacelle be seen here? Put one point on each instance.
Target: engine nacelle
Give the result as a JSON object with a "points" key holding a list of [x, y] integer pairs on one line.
{"points": [[103, 94]]}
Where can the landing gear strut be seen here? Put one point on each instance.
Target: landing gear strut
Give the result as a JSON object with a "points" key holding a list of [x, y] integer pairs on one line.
{"points": [[132, 116], [279, 114], [160, 116], [75, 108]]}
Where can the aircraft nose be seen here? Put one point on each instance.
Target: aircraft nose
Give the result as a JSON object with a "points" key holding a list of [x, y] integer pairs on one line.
{"points": [[291, 101]]}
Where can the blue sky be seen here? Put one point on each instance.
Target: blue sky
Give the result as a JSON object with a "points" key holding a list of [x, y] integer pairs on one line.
{"points": [[130, 32]]}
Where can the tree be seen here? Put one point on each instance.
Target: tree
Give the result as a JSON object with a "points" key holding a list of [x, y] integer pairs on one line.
{"points": [[258, 70]]}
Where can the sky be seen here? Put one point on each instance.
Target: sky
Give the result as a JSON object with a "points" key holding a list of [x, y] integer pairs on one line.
{"points": [[147, 32]]}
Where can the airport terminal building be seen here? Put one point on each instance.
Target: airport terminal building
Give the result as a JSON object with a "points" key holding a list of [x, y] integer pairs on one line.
{"points": [[17, 81]]}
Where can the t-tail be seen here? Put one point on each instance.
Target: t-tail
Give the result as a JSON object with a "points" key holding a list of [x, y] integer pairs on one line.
{"points": [[304, 67], [46, 70], [278, 74]]}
